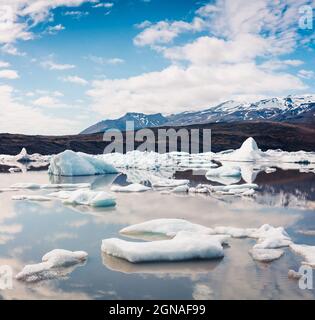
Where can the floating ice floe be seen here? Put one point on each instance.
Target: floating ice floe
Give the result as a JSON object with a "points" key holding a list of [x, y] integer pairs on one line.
{"points": [[56, 263], [69, 163], [184, 246], [270, 170], [135, 187], [308, 252], [235, 232], [270, 237], [168, 227], [224, 171], [89, 198], [169, 183], [266, 255], [36, 186], [30, 198], [15, 170], [23, 156]]}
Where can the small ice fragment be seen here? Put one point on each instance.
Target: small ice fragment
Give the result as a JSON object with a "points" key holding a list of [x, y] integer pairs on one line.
{"points": [[90, 198], [55, 264], [30, 198], [266, 255], [135, 187]]}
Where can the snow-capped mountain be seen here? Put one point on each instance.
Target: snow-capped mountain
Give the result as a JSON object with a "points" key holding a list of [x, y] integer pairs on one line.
{"points": [[140, 120], [275, 109], [288, 109]]}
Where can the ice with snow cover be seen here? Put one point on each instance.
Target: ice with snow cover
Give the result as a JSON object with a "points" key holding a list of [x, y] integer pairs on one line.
{"points": [[69, 163], [184, 246], [135, 187], [56, 263]]}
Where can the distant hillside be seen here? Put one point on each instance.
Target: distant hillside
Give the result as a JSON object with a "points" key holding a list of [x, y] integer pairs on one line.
{"points": [[269, 135]]}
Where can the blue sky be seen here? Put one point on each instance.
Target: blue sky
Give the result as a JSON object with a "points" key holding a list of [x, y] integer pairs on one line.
{"points": [[65, 65]]}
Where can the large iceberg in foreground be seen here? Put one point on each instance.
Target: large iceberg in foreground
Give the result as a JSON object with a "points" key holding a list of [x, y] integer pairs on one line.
{"points": [[168, 227], [184, 246], [69, 163], [56, 263]]}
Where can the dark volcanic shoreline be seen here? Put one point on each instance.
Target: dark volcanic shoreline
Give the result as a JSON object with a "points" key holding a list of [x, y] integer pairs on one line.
{"points": [[269, 135]]}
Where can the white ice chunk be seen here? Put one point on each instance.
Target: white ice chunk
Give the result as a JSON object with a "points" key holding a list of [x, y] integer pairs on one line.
{"points": [[266, 255], [15, 170], [135, 187], [168, 227], [90, 198], [235, 232], [169, 183], [270, 170], [69, 163], [224, 171], [184, 246], [270, 237], [31, 198], [308, 252], [180, 189], [35, 186], [56, 263]]}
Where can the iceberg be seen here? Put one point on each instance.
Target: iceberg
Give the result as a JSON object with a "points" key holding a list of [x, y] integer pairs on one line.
{"points": [[308, 252], [135, 187], [23, 156], [56, 263], [224, 171], [266, 255], [168, 227], [184, 246], [89, 198], [270, 237], [69, 163]]}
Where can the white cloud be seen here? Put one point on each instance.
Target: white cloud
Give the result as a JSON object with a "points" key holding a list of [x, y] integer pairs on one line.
{"points": [[47, 102], [16, 117], [281, 64], [9, 74], [75, 80], [104, 5], [177, 88], [12, 50], [4, 64], [306, 74], [17, 17], [143, 24], [54, 29], [165, 32], [76, 14], [103, 61], [51, 65]]}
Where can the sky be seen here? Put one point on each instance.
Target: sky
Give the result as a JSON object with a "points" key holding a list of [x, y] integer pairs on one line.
{"points": [[67, 64]]}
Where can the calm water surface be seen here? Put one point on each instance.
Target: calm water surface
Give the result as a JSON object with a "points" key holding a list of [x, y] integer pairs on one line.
{"points": [[28, 230]]}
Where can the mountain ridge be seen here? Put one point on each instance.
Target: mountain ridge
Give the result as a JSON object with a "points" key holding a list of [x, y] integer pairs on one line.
{"points": [[288, 109]]}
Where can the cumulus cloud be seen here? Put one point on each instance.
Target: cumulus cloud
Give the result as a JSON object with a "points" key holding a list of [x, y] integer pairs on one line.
{"points": [[16, 117], [9, 74], [237, 56], [75, 80], [103, 61], [104, 5], [306, 74], [47, 102], [54, 29], [18, 17], [186, 88], [4, 64], [51, 65]]}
